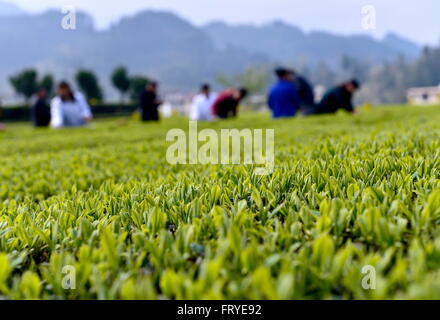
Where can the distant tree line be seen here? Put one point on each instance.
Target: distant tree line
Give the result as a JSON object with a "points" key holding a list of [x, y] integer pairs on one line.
{"points": [[381, 84], [27, 82], [386, 83]]}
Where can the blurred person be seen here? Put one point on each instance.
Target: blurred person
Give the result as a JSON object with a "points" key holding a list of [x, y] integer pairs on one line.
{"points": [[150, 103], [40, 110], [338, 98], [284, 100], [226, 103], [305, 91], [201, 108], [69, 109]]}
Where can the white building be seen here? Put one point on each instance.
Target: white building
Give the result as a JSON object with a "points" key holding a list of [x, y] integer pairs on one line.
{"points": [[424, 96]]}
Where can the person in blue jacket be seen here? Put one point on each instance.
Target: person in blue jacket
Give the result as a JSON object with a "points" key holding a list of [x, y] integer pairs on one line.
{"points": [[284, 100]]}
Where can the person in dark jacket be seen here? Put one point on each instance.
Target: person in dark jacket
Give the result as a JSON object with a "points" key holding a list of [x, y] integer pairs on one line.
{"points": [[41, 110], [338, 98], [284, 100], [226, 104], [150, 103], [305, 92]]}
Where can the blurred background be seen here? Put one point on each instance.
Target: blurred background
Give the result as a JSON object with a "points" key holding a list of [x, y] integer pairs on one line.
{"points": [[391, 47]]}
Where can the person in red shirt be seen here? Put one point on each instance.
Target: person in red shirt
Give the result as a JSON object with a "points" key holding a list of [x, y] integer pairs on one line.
{"points": [[226, 104]]}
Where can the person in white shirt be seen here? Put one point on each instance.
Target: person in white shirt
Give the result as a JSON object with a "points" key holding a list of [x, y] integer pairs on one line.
{"points": [[201, 108], [69, 109]]}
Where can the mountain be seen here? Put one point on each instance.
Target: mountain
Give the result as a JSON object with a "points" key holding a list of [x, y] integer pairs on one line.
{"points": [[156, 44], [169, 48], [289, 44], [166, 47], [405, 46], [9, 9], [40, 41]]}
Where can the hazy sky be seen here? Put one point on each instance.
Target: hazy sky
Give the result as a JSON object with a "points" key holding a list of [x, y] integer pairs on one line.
{"points": [[417, 20]]}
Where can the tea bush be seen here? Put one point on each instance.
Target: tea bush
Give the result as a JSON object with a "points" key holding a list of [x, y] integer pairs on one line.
{"points": [[347, 192]]}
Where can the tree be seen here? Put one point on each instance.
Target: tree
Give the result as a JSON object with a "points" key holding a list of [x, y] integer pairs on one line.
{"points": [[353, 68], [121, 81], [323, 75], [47, 83], [88, 84], [254, 79], [25, 83], [227, 81], [427, 68], [137, 86]]}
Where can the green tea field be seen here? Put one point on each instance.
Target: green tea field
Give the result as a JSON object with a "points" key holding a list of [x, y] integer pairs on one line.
{"points": [[351, 211]]}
